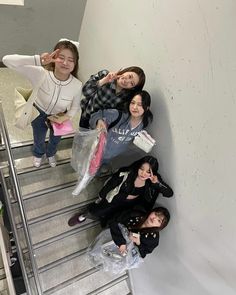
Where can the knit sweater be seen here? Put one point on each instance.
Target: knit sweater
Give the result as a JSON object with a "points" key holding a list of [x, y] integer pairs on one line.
{"points": [[54, 96]]}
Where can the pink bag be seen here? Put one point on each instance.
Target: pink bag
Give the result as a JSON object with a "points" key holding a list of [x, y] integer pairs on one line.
{"points": [[62, 129], [97, 157]]}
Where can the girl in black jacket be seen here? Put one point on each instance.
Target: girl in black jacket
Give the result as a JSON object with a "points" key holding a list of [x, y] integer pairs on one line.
{"points": [[143, 229], [136, 185]]}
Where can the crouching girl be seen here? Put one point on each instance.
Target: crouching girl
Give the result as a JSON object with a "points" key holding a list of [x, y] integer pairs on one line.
{"points": [[129, 238]]}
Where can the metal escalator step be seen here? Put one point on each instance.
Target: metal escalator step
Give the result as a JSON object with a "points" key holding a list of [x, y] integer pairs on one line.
{"points": [[46, 178], [79, 240], [24, 164], [51, 203], [52, 229], [119, 286], [76, 269]]}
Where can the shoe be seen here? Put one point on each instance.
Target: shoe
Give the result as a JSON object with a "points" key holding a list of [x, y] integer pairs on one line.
{"points": [[52, 161], [37, 162], [76, 219]]}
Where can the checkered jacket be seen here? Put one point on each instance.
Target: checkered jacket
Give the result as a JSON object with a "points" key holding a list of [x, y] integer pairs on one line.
{"points": [[101, 97]]}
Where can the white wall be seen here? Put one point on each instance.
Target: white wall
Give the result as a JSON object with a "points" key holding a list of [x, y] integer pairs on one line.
{"points": [[187, 49], [38, 25]]}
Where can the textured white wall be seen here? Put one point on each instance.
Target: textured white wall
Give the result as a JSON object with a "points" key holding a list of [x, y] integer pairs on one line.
{"points": [[38, 25], [187, 49]]}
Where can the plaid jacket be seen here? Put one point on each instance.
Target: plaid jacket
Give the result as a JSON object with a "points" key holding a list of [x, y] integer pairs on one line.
{"points": [[101, 97]]}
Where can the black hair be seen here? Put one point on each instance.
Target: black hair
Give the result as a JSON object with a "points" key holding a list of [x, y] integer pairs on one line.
{"points": [[139, 72], [135, 166], [146, 103]]}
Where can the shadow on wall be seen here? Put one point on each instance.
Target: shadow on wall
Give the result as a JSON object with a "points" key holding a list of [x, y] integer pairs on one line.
{"points": [[164, 151], [161, 131]]}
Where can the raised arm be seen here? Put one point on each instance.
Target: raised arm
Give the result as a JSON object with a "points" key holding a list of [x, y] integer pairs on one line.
{"points": [[107, 116], [90, 88], [29, 66], [164, 188]]}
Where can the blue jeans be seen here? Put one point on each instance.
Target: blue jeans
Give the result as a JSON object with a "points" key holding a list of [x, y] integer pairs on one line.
{"points": [[40, 129]]}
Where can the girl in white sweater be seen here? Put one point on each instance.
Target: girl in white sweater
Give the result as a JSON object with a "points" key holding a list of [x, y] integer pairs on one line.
{"points": [[59, 91]]}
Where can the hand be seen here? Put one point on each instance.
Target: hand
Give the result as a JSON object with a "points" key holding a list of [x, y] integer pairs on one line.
{"points": [[123, 249], [59, 118], [154, 178], [47, 58], [135, 238], [101, 125], [110, 77]]}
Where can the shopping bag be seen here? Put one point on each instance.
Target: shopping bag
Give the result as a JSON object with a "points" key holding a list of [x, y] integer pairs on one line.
{"points": [[63, 128], [87, 151], [144, 141], [104, 253], [25, 112]]}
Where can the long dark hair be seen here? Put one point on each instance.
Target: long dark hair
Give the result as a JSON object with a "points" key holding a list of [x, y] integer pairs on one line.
{"points": [[139, 72], [154, 165], [67, 45], [135, 166], [146, 103]]}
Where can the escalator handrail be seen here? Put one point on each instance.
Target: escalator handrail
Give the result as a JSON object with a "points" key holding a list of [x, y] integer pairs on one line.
{"points": [[15, 181]]}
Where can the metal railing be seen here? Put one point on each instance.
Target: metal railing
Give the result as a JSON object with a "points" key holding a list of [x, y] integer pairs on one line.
{"points": [[5, 259], [18, 195]]}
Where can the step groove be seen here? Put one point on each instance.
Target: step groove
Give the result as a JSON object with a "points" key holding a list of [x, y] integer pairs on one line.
{"points": [[64, 235], [71, 281], [62, 260], [109, 285]]}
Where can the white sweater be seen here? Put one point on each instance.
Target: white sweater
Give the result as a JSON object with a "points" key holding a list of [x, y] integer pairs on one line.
{"points": [[54, 96]]}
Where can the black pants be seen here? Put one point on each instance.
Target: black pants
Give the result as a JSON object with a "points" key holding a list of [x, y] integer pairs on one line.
{"points": [[105, 211], [84, 122]]}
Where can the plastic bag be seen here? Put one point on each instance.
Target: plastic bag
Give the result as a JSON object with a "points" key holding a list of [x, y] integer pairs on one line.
{"points": [[105, 254], [87, 151]]}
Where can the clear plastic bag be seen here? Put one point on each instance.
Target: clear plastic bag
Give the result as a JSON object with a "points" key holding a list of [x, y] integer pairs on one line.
{"points": [[104, 253], [87, 152]]}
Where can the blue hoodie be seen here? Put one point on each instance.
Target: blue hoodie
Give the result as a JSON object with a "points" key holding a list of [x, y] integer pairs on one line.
{"points": [[119, 136]]}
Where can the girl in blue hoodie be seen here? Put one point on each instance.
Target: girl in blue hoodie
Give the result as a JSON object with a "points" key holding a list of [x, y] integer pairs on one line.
{"points": [[127, 124]]}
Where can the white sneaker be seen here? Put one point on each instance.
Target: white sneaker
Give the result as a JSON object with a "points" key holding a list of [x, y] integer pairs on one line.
{"points": [[37, 162], [52, 161], [81, 218]]}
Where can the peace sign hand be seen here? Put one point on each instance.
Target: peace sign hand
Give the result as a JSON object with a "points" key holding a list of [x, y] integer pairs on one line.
{"points": [[154, 178], [110, 77], [47, 58]]}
